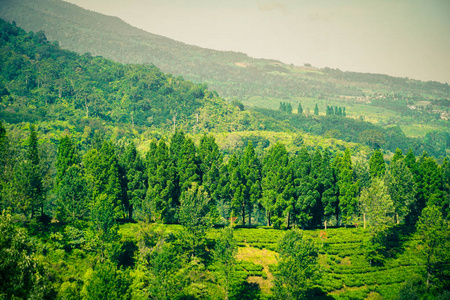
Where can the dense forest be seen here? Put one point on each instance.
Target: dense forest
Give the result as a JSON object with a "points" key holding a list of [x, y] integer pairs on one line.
{"points": [[86, 213], [81, 195]]}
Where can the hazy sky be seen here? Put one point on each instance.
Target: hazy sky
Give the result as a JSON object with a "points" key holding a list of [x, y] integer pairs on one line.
{"points": [[407, 38]]}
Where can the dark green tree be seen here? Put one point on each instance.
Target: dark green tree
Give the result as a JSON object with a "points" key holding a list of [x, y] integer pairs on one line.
{"points": [[161, 199], [251, 172], [33, 185], [300, 108], [347, 187], [330, 194], [277, 186], [134, 179], [67, 157], [210, 163], [377, 166], [72, 196], [445, 171], [316, 110]]}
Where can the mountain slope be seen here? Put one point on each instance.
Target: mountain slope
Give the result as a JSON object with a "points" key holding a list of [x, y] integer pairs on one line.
{"points": [[231, 74], [40, 82]]}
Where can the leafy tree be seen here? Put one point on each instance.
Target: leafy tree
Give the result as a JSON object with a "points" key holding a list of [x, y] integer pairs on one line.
{"points": [[376, 204], [103, 224], [19, 272], [194, 213], [105, 281], [164, 269], [401, 187], [225, 259], [72, 202], [377, 166], [434, 242], [298, 267]]}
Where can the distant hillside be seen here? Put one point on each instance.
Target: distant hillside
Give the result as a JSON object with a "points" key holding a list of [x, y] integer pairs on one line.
{"points": [[231, 74], [39, 82]]}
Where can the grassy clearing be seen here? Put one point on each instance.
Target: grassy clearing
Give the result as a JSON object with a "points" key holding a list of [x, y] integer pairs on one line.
{"points": [[262, 257]]}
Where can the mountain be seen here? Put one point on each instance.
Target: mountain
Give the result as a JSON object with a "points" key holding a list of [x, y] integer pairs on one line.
{"points": [[41, 83], [232, 74]]}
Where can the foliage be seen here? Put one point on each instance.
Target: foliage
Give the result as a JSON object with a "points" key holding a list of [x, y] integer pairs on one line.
{"points": [[297, 266], [20, 275]]}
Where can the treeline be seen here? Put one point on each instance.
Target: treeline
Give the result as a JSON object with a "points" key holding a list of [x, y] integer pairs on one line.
{"points": [[435, 143], [278, 189]]}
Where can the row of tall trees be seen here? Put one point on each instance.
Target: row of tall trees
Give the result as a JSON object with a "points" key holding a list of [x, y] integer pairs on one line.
{"points": [[307, 189]]}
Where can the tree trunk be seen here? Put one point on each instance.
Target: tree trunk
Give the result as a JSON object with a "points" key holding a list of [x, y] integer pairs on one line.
{"points": [[364, 220], [398, 221], [325, 223], [243, 214]]}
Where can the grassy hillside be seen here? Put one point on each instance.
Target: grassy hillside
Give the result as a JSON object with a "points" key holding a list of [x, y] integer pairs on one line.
{"points": [[256, 82]]}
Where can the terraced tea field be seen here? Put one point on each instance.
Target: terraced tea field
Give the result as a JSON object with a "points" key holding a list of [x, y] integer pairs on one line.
{"points": [[346, 273]]}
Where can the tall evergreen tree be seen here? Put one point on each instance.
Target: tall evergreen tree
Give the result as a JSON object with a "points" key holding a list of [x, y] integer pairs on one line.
{"points": [[134, 178], [306, 194], [161, 199], [236, 187], [210, 163], [300, 108], [72, 196], [67, 157], [102, 176], [277, 186], [432, 185], [330, 194], [347, 187], [316, 110], [33, 186], [188, 165], [377, 166], [397, 155], [445, 171], [288, 108], [251, 172]]}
